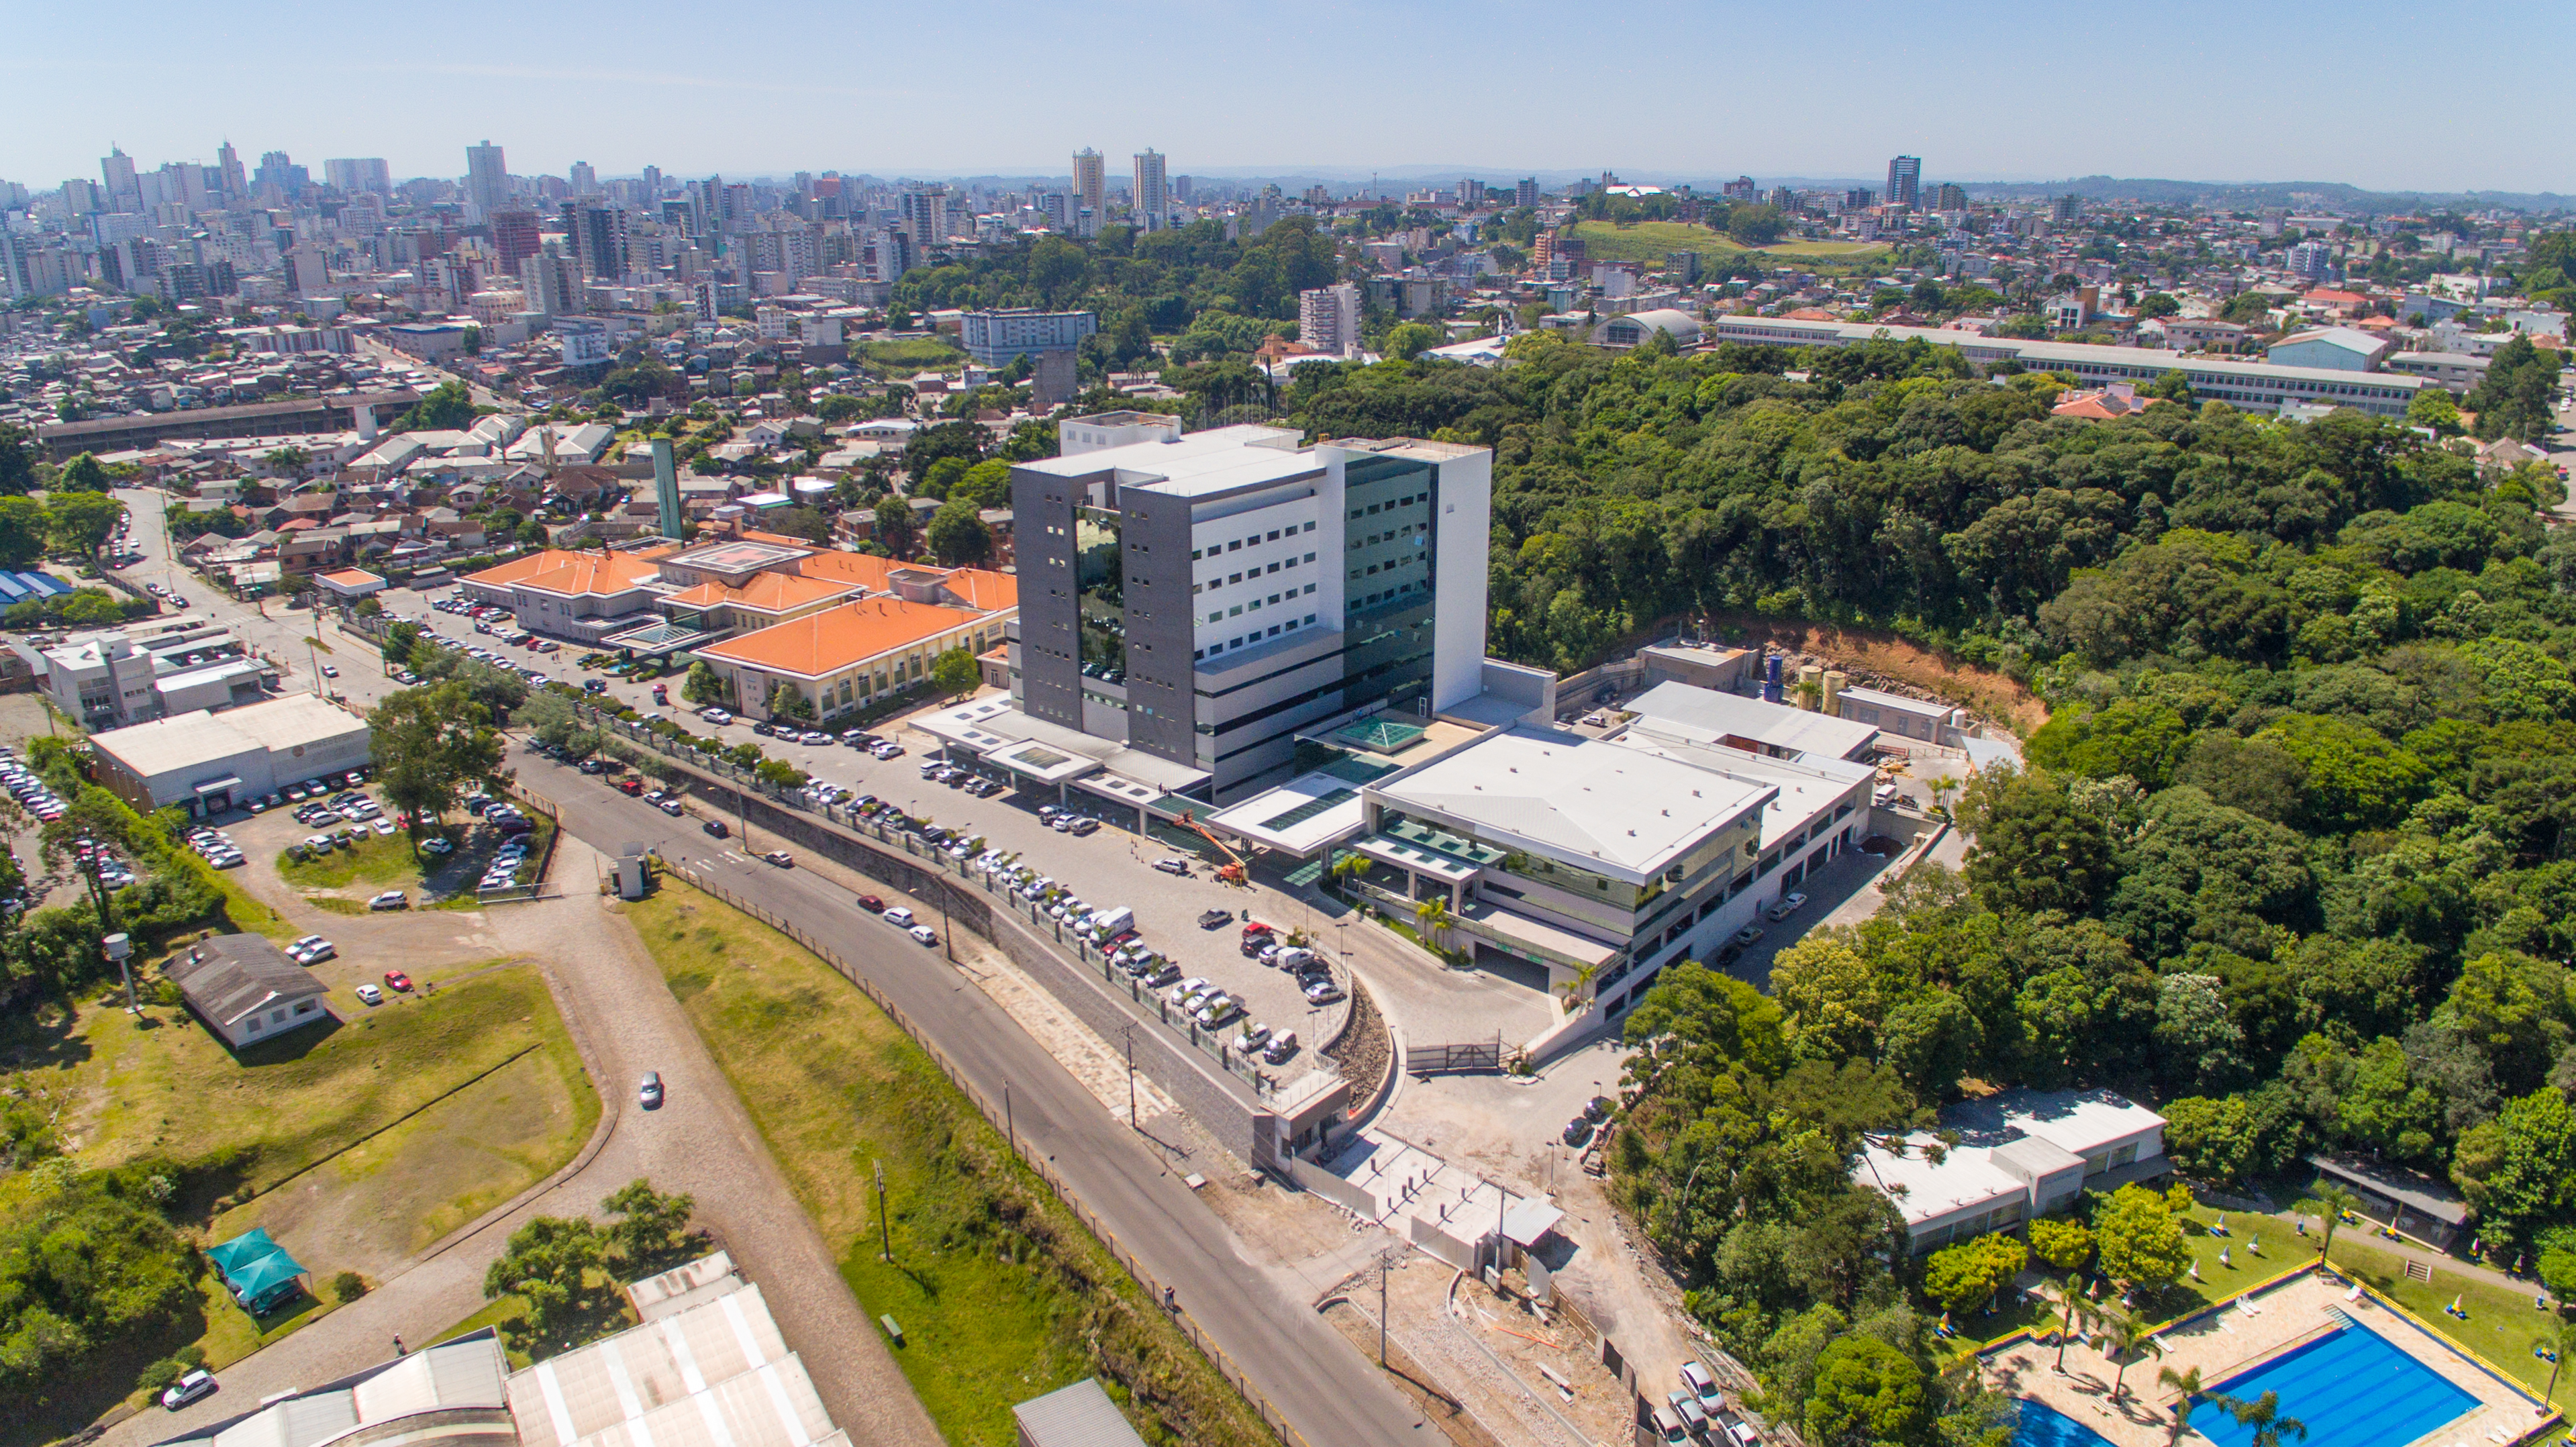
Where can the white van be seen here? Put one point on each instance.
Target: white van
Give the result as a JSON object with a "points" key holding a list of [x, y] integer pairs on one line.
{"points": [[1114, 920]]}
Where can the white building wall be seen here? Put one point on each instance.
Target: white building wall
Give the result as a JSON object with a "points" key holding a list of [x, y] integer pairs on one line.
{"points": [[1459, 539]]}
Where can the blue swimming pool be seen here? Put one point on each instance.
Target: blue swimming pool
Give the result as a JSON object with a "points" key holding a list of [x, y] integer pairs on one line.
{"points": [[2044, 1426], [2352, 1389]]}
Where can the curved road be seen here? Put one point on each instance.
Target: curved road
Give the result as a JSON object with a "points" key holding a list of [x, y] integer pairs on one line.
{"points": [[1331, 1394]]}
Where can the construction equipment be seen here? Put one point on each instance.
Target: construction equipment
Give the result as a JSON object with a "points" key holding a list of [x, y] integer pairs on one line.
{"points": [[1234, 872]]}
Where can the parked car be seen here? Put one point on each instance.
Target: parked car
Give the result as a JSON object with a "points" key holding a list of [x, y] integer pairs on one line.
{"points": [[1789, 904], [194, 1385], [390, 899], [1281, 1046], [1216, 919], [1577, 1131], [899, 917], [398, 982], [1703, 1386], [924, 933], [370, 995], [1747, 936], [670, 807], [1322, 992], [649, 1094], [1173, 866], [437, 844], [870, 903]]}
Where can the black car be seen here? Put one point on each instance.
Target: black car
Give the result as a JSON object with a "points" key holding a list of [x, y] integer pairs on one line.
{"points": [[1577, 1131], [717, 828], [765, 728]]}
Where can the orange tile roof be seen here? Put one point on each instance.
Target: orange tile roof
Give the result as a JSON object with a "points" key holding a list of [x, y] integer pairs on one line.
{"points": [[754, 535], [765, 592], [824, 643], [987, 590], [351, 577], [570, 574], [865, 569]]}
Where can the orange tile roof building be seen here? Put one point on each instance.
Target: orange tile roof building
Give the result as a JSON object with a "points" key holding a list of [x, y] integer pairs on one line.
{"points": [[581, 596], [844, 658]]}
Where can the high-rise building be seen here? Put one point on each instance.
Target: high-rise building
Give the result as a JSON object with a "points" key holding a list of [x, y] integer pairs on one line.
{"points": [[585, 180], [487, 177], [925, 217], [1090, 182], [1905, 182], [1953, 197], [276, 170], [598, 235], [1152, 198], [350, 175], [2065, 209], [514, 236], [1471, 195], [1213, 597], [1328, 319], [1526, 193], [997, 338], [1859, 198], [1741, 189], [552, 282], [2311, 259], [117, 168], [307, 274], [235, 182]]}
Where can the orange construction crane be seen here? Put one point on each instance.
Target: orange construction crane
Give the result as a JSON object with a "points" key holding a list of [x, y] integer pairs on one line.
{"points": [[1235, 871]]}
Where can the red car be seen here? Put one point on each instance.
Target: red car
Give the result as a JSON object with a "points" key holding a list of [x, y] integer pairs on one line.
{"points": [[397, 981], [871, 904]]}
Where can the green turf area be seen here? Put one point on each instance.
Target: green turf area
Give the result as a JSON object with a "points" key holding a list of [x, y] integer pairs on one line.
{"points": [[1001, 1293], [385, 859], [249, 914], [409, 1127], [1651, 241], [909, 355], [2501, 1325]]}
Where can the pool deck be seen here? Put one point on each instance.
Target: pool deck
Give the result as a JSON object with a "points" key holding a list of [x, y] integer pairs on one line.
{"points": [[2225, 1342]]}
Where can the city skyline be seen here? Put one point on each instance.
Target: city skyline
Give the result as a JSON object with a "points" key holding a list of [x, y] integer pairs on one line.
{"points": [[729, 110]]}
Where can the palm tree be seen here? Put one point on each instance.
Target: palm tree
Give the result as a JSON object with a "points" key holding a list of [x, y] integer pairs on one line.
{"points": [[2330, 1201], [2558, 1334], [2072, 1308], [2128, 1333], [1433, 916], [2186, 1387], [1576, 984], [1942, 789], [2264, 1416]]}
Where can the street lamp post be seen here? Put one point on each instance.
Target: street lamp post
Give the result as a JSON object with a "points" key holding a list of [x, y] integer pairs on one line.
{"points": [[885, 1233]]}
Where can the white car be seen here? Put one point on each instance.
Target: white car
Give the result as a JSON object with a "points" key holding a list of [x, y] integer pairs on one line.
{"points": [[924, 933], [311, 950], [899, 917], [1789, 904], [370, 995], [1185, 989]]}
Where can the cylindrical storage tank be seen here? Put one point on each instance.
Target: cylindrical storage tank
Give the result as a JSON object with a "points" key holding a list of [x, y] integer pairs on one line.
{"points": [[1835, 679], [1810, 679]]}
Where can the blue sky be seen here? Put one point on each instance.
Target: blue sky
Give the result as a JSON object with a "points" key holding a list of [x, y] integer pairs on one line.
{"points": [[2379, 94]]}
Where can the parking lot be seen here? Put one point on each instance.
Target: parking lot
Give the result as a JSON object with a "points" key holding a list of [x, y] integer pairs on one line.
{"points": [[1098, 868]]}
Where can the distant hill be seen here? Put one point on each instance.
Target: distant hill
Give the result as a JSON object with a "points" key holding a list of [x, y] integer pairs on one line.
{"points": [[2255, 195]]}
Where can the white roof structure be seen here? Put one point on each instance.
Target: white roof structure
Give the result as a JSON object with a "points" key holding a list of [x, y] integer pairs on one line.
{"points": [[1631, 811], [715, 1375], [1217, 461], [182, 741], [1771, 725], [460, 1380], [1801, 788], [2008, 1146]]}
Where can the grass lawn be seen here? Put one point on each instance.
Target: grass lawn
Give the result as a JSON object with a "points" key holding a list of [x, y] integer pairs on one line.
{"points": [[2501, 1326], [248, 913], [505, 1313], [379, 859], [1827, 250], [911, 354], [1001, 1293], [236, 1124], [1651, 241]]}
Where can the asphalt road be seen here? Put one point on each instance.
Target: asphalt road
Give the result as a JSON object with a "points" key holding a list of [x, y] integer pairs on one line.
{"points": [[1329, 1392]]}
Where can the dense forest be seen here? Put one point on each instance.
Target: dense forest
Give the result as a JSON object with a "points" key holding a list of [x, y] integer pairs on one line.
{"points": [[2291, 859]]}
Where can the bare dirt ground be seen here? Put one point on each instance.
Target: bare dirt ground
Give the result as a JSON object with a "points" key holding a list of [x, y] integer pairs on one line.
{"points": [[1984, 691]]}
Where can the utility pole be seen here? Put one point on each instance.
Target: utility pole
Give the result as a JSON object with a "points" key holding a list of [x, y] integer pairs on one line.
{"points": [[1131, 1077], [885, 1233], [1382, 1265], [1009, 1130]]}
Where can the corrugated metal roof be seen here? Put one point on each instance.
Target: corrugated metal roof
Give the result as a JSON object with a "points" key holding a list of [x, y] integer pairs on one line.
{"points": [[1077, 1416]]}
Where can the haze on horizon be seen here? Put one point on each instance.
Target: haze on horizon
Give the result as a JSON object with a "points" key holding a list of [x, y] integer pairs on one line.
{"points": [[2192, 90]]}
